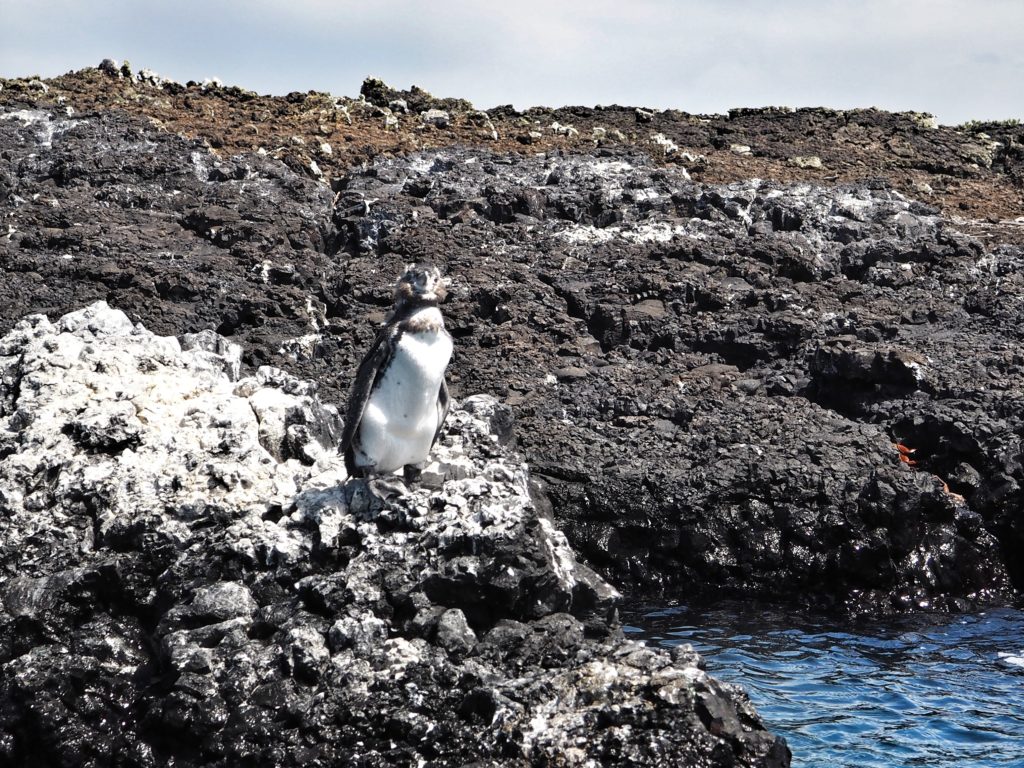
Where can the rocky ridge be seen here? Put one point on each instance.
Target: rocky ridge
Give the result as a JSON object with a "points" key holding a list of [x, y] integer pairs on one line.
{"points": [[188, 575], [972, 173]]}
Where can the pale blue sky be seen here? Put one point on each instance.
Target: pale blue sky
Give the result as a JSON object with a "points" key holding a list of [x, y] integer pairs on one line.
{"points": [[958, 59]]}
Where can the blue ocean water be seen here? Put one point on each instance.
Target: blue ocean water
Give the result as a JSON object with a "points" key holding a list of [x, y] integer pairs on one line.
{"points": [[937, 691]]}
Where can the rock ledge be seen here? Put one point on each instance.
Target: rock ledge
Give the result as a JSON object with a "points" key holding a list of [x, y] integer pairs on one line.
{"points": [[186, 574]]}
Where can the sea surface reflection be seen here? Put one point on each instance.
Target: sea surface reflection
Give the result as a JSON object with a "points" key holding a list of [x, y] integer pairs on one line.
{"points": [[934, 690]]}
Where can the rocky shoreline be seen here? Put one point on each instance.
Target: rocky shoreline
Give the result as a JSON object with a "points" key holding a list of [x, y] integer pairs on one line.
{"points": [[772, 354], [190, 577]]}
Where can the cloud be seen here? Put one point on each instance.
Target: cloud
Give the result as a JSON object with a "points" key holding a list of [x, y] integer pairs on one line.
{"points": [[953, 58]]}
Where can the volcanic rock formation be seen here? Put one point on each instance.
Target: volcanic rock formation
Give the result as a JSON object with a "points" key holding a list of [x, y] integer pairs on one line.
{"points": [[188, 575], [773, 354], [803, 388]]}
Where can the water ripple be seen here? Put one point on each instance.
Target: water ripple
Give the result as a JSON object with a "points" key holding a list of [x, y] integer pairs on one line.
{"points": [[936, 691]]}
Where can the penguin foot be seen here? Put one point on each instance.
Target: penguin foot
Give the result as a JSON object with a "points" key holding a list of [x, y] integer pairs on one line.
{"points": [[412, 473], [359, 471]]}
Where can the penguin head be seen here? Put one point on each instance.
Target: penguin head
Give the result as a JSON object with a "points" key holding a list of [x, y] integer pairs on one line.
{"points": [[420, 284]]}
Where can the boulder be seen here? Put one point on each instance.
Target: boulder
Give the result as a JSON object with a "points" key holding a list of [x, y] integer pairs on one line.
{"points": [[176, 586]]}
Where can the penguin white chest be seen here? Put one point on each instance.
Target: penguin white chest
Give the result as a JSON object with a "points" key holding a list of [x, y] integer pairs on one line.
{"points": [[403, 412]]}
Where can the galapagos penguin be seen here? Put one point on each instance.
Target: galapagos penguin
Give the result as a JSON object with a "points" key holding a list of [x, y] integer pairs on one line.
{"points": [[399, 399]]}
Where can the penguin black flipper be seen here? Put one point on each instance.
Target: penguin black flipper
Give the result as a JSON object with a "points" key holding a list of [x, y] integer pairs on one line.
{"points": [[443, 403], [370, 370]]}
